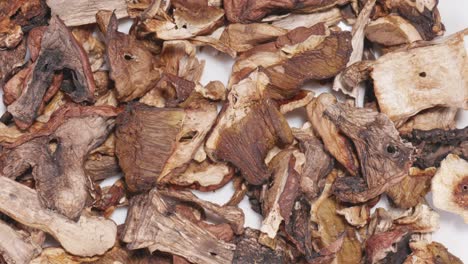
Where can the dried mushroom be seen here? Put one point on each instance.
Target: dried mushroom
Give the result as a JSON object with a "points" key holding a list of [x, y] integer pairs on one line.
{"points": [[450, 186], [383, 156], [15, 246], [424, 252], [392, 30]]}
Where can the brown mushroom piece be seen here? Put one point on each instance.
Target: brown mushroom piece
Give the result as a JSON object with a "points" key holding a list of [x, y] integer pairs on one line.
{"points": [[171, 135], [15, 246], [66, 56], [248, 127], [383, 156], [450, 186], [432, 118], [425, 252], [152, 223], [132, 66], [410, 80], [12, 60], [391, 30], [378, 246], [56, 158], [88, 236]]}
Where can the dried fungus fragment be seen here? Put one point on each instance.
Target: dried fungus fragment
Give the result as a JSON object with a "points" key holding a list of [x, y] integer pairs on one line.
{"points": [[88, 236], [152, 223], [432, 118], [60, 52], [424, 252], [383, 156], [381, 244], [15, 246], [356, 215], [392, 30], [154, 145], [11, 60], [450, 186], [248, 127]]}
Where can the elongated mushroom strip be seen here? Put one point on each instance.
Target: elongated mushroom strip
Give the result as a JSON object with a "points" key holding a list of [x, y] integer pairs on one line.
{"points": [[88, 237], [408, 81], [432, 118], [383, 156], [59, 52], [82, 12], [57, 162], [15, 247], [155, 143], [230, 214], [249, 126], [334, 142], [152, 223], [293, 20]]}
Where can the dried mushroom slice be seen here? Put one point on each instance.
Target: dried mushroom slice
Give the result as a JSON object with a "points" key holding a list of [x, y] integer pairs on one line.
{"points": [[60, 52], [291, 21], [279, 200], [152, 223], [358, 215], [94, 48], [88, 236], [420, 219], [82, 12], [11, 61], [378, 246], [15, 246], [391, 30], [334, 142], [100, 167], [248, 127], [57, 162], [155, 145], [424, 252], [383, 156], [412, 189], [132, 66], [409, 81], [432, 118], [450, 186]]}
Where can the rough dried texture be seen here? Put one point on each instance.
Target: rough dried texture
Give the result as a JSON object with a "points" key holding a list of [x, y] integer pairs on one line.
{"points": [[391, 30], [87, 237], [301, 99], [432, 118], [434, 145], [245, 11], [450, 186], [15, 246], [152, 223], [423, 252], [248, 250], [412, 189], [108, 198], [332, 227], [335, 143], [132, 66], [379, 245], [60, 52], [356, 215], [9, 134], [11, 60], [234, 216], [318, 164], [302, 54], [292, 20], [383, 156], [279, 200], [171, 135], [55, 255], [408, 81], [248, 127], [58, 169], [101, 167], [94, 48], [420, 219], [82, 12]]}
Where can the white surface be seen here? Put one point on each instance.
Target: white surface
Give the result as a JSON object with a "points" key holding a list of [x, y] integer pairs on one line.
{"points": [[453, 232]]}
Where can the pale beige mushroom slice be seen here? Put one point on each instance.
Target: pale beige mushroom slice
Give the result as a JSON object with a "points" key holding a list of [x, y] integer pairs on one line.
{"points": [[16, 247], [450, 186]]}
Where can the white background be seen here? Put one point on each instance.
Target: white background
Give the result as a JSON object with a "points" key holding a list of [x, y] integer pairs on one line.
{"points": [[453, 232]]}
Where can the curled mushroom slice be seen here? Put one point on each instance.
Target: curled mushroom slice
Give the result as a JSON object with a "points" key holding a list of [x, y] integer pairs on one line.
{"points": [[383, 156], [152, 223], [424, 252], [432, 118], [248, 127], [162, 140], [408, 81], [420, 219], [57, 162], [450, 186], [16, 247], [378, 246], [391, 30], [88, 236], [356, 215], [334, 142], [12, 60], [65, 56]]}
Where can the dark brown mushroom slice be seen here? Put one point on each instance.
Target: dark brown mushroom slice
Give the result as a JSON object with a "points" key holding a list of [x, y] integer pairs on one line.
{"points": [[434, 252], [12, 60], [65, 56], [109, 198], [381, 244], [383, 156], [154, 143], [153, 223], [132, 66], [101, 167], [299, 229], [16, 247], [57, 160]]}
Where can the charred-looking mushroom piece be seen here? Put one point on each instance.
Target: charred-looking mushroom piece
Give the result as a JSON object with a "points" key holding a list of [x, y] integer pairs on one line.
{"points": [[60, 52], [57, 160], [450, 186], [153, 223], [383, 156]]}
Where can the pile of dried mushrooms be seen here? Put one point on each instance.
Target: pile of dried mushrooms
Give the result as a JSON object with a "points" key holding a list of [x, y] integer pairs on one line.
{"points": [[85, 102]]}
